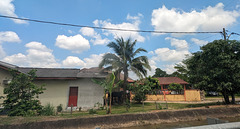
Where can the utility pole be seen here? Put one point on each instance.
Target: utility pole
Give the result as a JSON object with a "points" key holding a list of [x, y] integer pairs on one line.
{"points": [[224, 34]]}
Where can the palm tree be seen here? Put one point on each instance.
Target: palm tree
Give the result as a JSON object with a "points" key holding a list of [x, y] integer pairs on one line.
{"points": [[125, 59]]}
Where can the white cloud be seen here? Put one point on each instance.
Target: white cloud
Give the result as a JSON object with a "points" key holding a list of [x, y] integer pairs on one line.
{"points": [[178, 44], [7, 8], [134, 25], [88, 31], [92, 61], [199, 42], [208, 19], [169, 57], [2, 52], [9, 36], [96, 38], [38, 55], [72, 61], [76, 44]]}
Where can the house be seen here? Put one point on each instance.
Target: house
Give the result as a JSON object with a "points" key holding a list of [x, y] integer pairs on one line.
{"points": [[166, 81], [187, 94], [63, 86]]}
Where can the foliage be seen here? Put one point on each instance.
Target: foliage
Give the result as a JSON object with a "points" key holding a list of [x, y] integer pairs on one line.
{"points": [[160, 73], [92, 111], [22, 94], [59, 108], [125, 59], [216, 68], [175, 87], [140, 89], [181, 72], [48, 110], [127, 104], [108, 85]]}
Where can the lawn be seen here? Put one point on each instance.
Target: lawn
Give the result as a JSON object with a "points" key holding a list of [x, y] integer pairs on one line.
{"points": [[116, 109]]}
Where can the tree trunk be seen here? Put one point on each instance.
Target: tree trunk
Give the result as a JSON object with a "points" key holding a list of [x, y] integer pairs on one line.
{"points": [[110, 103], [233, 98], [125, 84], [226, 97], [105, 99]]}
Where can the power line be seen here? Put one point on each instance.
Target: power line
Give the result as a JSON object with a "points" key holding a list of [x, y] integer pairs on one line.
{"points": [[105, 28]]}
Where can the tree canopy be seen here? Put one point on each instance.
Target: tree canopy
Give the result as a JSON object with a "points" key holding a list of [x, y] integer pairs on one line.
{"points": [[216, 68], [22, 94], [124, 59]]}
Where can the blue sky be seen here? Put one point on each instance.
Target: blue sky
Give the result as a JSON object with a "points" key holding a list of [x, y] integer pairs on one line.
{"points": [[33, 44]]}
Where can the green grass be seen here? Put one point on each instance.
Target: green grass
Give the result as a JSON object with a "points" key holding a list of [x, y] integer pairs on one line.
{"points": [[116, 109]]}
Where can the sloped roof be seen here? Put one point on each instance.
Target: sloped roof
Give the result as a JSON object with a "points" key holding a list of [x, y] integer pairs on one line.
{"points": [[94, 72], [52, 72], [169, 80], [7, 65]]}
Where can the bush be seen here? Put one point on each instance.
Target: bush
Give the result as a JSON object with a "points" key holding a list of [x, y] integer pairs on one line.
{"points": [[92, 111], [48, 110], [59, 108]]}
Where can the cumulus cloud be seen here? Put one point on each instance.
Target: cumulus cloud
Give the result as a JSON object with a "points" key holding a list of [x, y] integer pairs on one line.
{"points": [[92, 61], [133, 25], [199, 42], [9, 36], [208, 19], [38, 55], [169, 57], [76, 44], [8, 9], [178, 44], [96, 38]]}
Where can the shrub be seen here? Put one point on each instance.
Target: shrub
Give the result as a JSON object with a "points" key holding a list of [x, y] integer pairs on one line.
{"points": [[59, 108], [92, 111], [48, 110]]}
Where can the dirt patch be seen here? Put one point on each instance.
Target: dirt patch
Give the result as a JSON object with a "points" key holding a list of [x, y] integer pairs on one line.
{"points": [[126, 120]]}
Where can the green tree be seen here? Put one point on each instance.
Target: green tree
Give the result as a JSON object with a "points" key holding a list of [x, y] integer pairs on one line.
{"points": [[125, 59], [141, 89], [217, 68], [175, 87], [160, 73], [181, 72], [22, 94], [108, 84]]}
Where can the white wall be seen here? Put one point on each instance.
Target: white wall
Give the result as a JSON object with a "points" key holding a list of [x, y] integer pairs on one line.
{"points": [[57, 92]]}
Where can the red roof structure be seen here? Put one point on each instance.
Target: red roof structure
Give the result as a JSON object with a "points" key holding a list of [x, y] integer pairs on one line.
{"points": [[169, 80]]}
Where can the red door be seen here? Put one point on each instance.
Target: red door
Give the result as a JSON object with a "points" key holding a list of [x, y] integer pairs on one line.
{"points": [[73, 96]]}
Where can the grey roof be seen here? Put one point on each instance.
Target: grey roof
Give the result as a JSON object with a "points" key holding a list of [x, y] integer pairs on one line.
{"points": [[7, 65], [59, 72], [52, 72], [94, 72]]}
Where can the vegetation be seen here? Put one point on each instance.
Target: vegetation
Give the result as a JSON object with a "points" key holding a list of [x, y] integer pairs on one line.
{"points": [[48, 110], [21, 95], [216, 68], [175, 87], [125, 59], [108, 84], [59, 108], [160, 73]]}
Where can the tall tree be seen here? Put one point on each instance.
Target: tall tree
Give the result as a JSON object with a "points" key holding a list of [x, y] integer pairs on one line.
{"points": [[181, 71], [217, 68], [160, 73], [125, 59]]}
